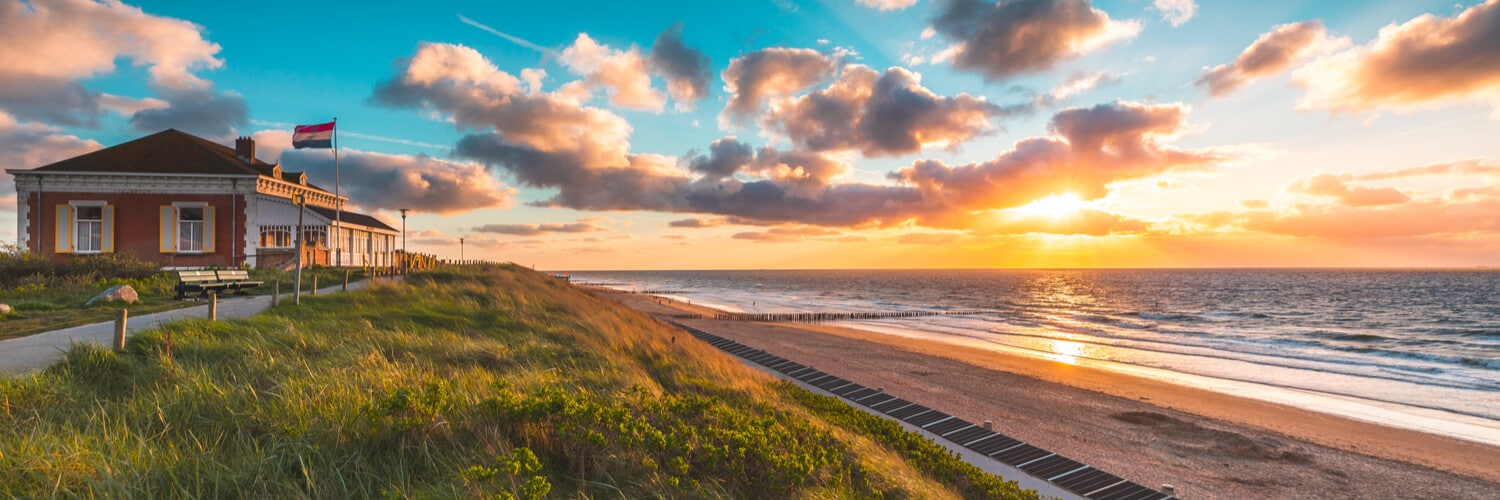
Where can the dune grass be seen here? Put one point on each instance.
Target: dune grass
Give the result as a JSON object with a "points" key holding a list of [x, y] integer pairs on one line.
{"points": [[487, 381]]}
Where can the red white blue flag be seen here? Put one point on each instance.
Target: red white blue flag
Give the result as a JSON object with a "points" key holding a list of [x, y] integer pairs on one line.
{"points": [[313, 136]]}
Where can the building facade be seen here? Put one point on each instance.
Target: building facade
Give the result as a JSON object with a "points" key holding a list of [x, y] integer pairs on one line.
{"points": [[187, 202]]}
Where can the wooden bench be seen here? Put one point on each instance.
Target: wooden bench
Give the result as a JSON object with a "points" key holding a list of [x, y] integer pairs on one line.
{"points": [[200, 282], [237, 280]]}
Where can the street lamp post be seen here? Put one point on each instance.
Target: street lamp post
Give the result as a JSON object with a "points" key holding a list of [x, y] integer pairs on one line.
{"points": [[301, 201], [403, 240]]}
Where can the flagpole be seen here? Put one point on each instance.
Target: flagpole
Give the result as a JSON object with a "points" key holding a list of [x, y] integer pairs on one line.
{"points": [[338, 205]]}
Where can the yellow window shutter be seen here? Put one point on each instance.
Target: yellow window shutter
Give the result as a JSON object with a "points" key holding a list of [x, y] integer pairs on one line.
{"points": [[168, 229], [64, 234], [107, 229], [208, 229]]}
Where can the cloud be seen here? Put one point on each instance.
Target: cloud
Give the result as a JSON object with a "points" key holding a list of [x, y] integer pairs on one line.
{"points": [[1080, 83], [696, 223], [1426, 61], [387, 181], [880, 114], [1462, 167], [582, 226], [785, 234], [725, 157], [1416, 218], [196, 111], [1089, 149], [754, 78], [1338, 187], [1175, 12], [623, 72], [938, 239], [1009, 38], [52, 45], [31, 144], [887, 4], [27, 145], [1271, 53], [1085, 221], [685, 68], [458, 82]]}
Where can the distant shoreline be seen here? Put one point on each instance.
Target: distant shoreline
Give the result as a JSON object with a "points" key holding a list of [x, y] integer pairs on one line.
{"points": [[1149, 431]]}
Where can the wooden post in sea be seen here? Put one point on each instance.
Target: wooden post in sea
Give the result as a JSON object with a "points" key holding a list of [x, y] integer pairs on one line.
{"points": [[120, 329], [213, 306]]}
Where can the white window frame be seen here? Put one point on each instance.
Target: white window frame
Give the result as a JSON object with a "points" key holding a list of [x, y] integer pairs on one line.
{"points": [[73, 226], [201, 224]]}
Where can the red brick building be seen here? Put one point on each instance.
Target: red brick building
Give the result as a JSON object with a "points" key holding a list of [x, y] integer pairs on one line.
{"points": [[188, 202]]}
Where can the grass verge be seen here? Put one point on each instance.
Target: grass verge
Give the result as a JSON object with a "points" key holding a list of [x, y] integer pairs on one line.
{"points": [[482, 381]]}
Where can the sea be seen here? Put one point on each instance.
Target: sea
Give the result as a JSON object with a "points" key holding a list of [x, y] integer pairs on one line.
{"points": [[1416, 349]]}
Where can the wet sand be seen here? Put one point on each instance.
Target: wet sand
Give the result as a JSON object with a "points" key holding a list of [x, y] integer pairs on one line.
{"points": [[1208, 445]]}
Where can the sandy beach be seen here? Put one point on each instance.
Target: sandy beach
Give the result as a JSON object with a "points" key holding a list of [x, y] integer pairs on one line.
{"points": [[1206, 444]]}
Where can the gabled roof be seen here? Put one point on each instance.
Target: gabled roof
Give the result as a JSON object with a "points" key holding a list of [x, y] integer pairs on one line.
{"points": [[167, 152], [351, 217]]}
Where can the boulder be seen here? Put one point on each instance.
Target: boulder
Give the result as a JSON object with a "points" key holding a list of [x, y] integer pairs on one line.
{"points": [[4, 308], [122, 293]]}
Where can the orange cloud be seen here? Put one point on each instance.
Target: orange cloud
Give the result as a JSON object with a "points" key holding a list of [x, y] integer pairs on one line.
{"points": [[1412, 219], [1090, 148], [785, 234], [1426, 61], [1272, 52], [623, 72], [582, 226], [1338, 187]]}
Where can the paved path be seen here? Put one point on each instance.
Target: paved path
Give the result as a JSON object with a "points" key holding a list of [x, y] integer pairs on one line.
{"points": [[35, 352]]}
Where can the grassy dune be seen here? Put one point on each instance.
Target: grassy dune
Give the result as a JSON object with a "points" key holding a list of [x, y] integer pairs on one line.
{"points": [[493, 381]]}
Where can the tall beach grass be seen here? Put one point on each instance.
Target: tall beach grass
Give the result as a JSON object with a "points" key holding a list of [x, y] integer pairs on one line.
{"points": [[480, 381]]}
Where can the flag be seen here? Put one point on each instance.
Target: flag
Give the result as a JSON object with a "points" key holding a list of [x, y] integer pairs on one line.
{"points": [[313, 136]]}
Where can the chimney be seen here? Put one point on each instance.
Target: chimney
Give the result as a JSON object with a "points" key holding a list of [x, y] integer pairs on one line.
{"points": [[244, 147]]}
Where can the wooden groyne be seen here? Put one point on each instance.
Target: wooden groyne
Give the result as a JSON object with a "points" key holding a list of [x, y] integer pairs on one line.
{"points": [[639, 292], [815, 317]]}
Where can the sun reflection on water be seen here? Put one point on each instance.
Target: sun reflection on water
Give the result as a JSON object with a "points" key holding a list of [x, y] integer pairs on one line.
{"points": [[1065, 351]]}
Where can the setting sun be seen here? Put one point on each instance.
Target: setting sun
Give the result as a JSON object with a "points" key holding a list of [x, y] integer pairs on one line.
{"points": [[1057, 205]]}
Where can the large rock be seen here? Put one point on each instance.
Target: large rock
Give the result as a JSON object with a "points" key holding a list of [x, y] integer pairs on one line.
{"points": [[4, 308], [122, 293]]}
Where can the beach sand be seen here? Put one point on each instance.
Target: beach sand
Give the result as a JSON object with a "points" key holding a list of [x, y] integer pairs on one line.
{"points": [[1206, 444]]}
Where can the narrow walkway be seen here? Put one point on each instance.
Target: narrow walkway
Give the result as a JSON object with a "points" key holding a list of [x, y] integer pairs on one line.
{"points": [[1049, 473], [27, 354]]}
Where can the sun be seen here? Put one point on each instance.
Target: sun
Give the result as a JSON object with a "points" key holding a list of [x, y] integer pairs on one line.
{"points": [[1056, 205]]}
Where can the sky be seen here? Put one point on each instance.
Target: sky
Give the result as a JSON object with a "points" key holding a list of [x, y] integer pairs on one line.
{"points": [[818, 134]]}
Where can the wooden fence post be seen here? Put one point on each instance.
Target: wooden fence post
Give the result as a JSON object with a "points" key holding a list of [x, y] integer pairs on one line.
{"points": [[346, 280], [120, 329], [213, 306], [275, 292], [315, 284]]}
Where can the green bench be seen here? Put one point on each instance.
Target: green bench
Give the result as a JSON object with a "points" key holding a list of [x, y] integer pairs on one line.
{"points": [[199, 282], [237, 280], [206, 282]]}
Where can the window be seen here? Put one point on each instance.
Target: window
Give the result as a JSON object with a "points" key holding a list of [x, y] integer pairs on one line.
{"points": [[190, 229], [84, 227], [187, 227], [88, 224], [276, 237]]}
